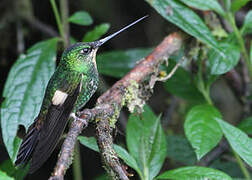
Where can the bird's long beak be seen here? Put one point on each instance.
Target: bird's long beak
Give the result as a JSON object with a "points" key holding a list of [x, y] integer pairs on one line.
{"points": [[100, 42]]}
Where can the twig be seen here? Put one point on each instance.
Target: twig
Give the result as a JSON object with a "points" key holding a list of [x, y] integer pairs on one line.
{"points": [[166, 119], [20, 38], [130, 91], [215, 153], [246, 89], [65, 156], [235, 81]]}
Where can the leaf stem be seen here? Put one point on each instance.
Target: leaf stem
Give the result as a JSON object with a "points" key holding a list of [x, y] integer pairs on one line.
{"points": [[57, 17], [231, 19], [204, 89], [146, 172], [77, 163], [242, 166]]}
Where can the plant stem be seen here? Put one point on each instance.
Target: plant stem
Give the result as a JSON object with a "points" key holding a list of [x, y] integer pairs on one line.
{"points": [[57, 17], [77, 163], [64, 19], [242, 166], [205, 90], [231, 19], [206, 94]]}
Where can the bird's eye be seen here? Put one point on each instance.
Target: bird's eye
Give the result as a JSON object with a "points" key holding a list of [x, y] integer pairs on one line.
{"points": [[85, 51]]}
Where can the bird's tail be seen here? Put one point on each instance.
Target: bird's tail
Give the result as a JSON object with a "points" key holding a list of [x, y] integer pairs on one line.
{"points": [[28, 145]]}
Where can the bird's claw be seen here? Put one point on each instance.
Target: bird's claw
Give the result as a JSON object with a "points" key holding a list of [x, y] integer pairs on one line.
{"points": [[87, 114], [77, 118]]}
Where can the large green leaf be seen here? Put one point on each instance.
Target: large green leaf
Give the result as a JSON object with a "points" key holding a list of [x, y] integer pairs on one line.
{"points": [[238, 4], [246, 125], [122, 153], [24, 90], [205, 5], [96, 33], [146, 142], [221, 65], [239, 141], [247, 24], [186, 19], [118, 63], [202, 130], [194, 172], [81, 18], [179, 149], [181, 84], [4, 176]]}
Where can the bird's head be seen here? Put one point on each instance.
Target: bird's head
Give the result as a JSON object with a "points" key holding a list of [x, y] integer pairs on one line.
{"points": [[82, 56]]}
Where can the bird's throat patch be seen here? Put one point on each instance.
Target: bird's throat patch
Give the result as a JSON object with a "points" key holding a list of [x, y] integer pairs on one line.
{"points": [[94, 57], [59, 97]]}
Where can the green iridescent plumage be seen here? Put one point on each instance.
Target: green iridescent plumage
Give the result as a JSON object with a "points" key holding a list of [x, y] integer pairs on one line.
{"points": [[71, 86]]}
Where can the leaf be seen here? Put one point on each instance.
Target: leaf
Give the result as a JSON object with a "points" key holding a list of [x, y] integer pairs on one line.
{"points": [[179, 149], [181, 84], [239, 141], [221, 65], [96, 33], [238, 4], [4, 176], [205, 5], [250, 52], [122, 153], [89, 142], [81, 18], [24, 90], [11, 170], [118, 63], [246, 125], [247, 24], [194, 172], [127, 158], [202, 130], [146, 142], [104, 176], [228, 167], [186, 19], [73, 40]]}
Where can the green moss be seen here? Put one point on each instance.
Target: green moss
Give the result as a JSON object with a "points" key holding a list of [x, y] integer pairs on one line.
{"points": [[115, 116], [131, 97]]}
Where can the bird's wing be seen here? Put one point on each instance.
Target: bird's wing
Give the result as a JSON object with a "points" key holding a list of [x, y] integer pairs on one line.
{"points": [[53, 127], [42, 138], [27, 147]]}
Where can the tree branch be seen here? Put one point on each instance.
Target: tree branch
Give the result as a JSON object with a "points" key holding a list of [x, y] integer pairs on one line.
{"points": [[131, 91]]}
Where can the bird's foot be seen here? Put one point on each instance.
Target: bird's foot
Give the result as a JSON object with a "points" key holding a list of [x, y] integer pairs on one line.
{"points": [[85, 114], [77, 118]]}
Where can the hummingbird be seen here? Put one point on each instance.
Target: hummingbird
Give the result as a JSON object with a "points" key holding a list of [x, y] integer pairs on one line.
{"points": [[71, 86]]}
